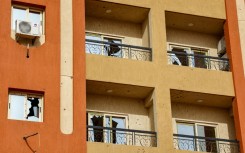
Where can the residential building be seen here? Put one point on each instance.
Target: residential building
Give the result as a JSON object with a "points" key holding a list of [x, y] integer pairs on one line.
{"points": [[122, 76]]}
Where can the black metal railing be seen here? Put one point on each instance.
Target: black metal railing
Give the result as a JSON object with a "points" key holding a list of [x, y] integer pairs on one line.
{"points": [[118, 50], [121, 136], [199, 61], [205, 144]]}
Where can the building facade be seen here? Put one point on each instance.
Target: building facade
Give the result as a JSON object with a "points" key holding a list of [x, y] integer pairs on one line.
{"points": [[122, 76]]}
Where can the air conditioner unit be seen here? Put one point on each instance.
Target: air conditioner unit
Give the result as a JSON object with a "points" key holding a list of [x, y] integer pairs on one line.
{"points": [[221, 47], [27, 29]]}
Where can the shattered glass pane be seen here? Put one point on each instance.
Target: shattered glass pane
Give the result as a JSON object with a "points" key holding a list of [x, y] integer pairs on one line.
{"points": [[32, 109]]}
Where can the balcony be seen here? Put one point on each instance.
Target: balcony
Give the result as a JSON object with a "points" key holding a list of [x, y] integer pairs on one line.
{"points": [[118, 50], [205, 144], [121, 136], [203, 122], [116, 30], [120, 114], [198, 61], [196, 41]]}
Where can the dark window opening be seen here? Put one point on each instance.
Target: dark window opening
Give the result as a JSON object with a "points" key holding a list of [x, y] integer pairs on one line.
{"points": [[34, 109], [183, 58], [113, 49]]}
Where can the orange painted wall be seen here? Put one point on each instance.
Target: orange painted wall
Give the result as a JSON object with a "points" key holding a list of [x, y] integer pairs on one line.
{"points": [[41, 72], [235, 55]]}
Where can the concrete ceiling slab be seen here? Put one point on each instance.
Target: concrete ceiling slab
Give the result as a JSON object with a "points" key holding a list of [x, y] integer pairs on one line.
{"points": [[115, 11], [194, 23], [204, 99], [122, 90]]}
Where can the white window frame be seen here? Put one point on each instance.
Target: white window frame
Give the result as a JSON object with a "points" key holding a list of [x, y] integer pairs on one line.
{"points": [[195, 124], [90, 113], [104, 114], [189, 50], [26, 109], [30, 9]]}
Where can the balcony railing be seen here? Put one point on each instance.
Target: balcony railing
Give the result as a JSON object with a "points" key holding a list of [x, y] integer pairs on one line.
{"points": [[121, 136], [205, 144], [118, 50], [199, 61]]}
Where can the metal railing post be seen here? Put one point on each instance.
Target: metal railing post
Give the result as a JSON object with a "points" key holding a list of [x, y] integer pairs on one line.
{"points": [[129, 53]]}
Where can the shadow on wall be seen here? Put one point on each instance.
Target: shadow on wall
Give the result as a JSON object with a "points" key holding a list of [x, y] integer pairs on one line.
{"points": [[113, 27], [116, 104], [192, 38]]}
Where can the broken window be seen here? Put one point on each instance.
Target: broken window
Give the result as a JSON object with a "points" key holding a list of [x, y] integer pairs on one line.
{"points": [[110, 134], [114, 136], [188, 56], [95, 45], [24, 106], [113, 49]]}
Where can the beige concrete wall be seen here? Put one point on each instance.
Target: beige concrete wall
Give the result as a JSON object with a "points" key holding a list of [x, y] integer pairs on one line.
{"points": [[93, 147], [193, 39], [139, 117], [130, 33], [209, 8], [158, 73], [218, 117]]}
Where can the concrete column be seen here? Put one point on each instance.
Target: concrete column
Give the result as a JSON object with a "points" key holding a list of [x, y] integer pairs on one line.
{"points": [[66, 67]]}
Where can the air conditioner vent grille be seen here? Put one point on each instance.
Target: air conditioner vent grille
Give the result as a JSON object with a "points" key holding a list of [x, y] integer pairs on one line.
{"points": [[25, 27]]}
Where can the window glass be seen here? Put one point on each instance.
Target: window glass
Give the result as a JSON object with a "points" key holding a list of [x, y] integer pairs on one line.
{"points": [[18, 14], [119, 122], [93, 47], [93, 36], [35, 17], [186, 129], [17, 104]]}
